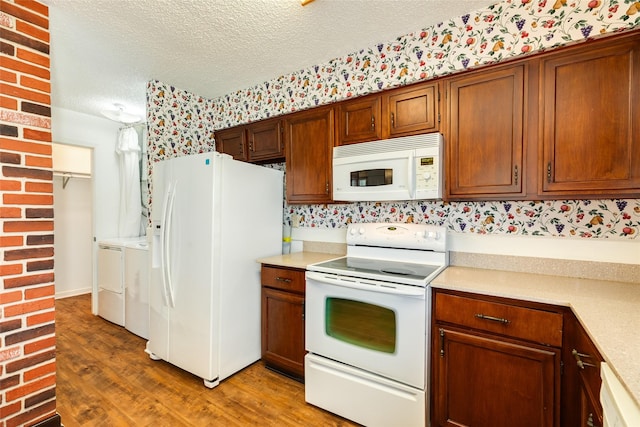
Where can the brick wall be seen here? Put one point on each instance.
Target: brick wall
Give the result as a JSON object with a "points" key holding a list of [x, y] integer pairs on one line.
{"points": [[27, 323]]}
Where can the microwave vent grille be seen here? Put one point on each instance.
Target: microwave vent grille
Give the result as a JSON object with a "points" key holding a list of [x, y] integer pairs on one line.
{"points": [[388, 145]]}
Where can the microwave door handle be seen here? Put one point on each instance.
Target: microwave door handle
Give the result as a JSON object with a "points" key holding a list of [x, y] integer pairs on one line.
{"points": [[411, 179]]}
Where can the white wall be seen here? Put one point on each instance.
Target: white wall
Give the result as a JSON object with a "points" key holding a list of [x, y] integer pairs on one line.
{"points": [[73, 231], [70, 127]]}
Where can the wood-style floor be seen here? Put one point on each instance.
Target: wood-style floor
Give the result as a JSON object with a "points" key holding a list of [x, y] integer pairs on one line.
{"points": [[104, 378]]}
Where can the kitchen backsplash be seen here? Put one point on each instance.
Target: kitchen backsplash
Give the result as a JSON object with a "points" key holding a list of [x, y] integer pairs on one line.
{"points": [[182, 123]]}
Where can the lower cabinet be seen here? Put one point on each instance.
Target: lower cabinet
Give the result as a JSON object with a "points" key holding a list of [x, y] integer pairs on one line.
{"points": [[581, 381], [283, 320], [495, 362]]}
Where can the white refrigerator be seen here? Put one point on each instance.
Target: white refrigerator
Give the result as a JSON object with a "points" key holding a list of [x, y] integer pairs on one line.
{"points": [[212, 217]]}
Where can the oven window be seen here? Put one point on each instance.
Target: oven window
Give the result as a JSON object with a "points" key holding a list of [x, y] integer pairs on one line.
{"points": [[372, 177], [361, 324]]}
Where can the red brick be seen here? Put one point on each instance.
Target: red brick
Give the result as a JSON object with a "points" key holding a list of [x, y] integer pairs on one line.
{"points": [[10, 269], [45, 343], [32, 83], [38, 187], [30, 253], [27, 199], [18, 92], [18, 226], [11, 409], [33, 31], [39, 292], [6, 185], [40, 265], [24, 147], [45, 162], [36, 279], [37, 7], [30, 173], [26, 362], [9, 103], [33, 57], [35, 416], [11, 296], [8, 241], [30, 387], [28, 307], [37, 134], [10, 212], [8, 76], [24, 13], [19, 38], [26, 68]]}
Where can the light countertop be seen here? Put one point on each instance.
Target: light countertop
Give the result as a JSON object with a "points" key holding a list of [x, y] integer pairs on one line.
{"points": [[298, 259], [609, 311]]}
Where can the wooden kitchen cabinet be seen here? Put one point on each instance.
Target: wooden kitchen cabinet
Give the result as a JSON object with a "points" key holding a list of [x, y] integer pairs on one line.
{"points": [[309, 137], [495, 362], [590, 105], [411, 110], [581, 379], [485, 139], [283, 319], [232, 141], [359, 120], [256, 142], [265, 140]]}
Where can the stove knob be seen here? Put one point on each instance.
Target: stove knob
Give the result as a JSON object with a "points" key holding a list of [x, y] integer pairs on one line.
{"points": [[353, 231], [433, 235], [361, 230], [419, 234]]}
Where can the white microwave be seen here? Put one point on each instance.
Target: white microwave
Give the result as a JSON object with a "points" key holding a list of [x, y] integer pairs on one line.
{"points": [[406, 168]]}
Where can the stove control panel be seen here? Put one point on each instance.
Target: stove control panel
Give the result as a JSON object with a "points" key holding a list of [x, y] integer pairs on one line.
{"points": [[398, 235]]}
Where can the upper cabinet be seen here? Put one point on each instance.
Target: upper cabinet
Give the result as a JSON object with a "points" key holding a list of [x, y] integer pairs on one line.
{"points": [[265, 140], [232, 141], [256, 142], [404, 111], [485, 133], [411, 110], [359, 120], [590, 108], [308, 146]]}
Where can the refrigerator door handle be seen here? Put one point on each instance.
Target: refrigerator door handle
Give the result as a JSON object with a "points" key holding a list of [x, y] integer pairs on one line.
{"points": [[167, 215]]}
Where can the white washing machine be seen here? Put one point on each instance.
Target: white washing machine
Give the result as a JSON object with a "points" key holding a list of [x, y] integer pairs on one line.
{"points": [[111, 297], [136, 288]]}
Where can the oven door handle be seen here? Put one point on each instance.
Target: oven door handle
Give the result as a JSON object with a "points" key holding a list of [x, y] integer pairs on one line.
{"points": [[367, 285]]}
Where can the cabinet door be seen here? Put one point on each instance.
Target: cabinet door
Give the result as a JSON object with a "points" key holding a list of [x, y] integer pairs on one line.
{"points": [[591, 132], [359, 120], [485, 144], [412, 110], [265, 140], [283, 331], [308, 147], [486, 382], [233, 142]]}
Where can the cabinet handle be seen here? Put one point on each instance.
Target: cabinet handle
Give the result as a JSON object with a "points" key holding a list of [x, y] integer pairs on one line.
{"points": [[493, 319], [373, 123], [515, 174], [326, 188], [251, 145], [441, 342], [549, 172], [393, 120], [590, 420], [579, 356], [283, 279]]}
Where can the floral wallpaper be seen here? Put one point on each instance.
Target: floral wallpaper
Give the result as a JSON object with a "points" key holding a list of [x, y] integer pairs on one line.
{"points": [[181, 123]]}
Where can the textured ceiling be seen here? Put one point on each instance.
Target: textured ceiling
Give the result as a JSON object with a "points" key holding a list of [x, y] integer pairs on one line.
{"points": [[105, 51]]}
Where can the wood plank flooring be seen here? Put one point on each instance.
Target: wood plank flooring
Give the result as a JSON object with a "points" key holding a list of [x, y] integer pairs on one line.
{"points": [[104, 378]]}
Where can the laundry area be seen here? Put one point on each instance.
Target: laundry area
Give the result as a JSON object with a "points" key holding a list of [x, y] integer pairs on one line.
{"points": [[101, 198]]}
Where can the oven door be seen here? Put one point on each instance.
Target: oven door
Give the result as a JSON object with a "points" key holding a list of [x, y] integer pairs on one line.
{"points": [[376, 326]]}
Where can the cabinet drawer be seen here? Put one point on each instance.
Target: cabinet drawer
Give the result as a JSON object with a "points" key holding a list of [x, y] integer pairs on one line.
{"points": [[502, 318], [587, 359], [288, 279]]}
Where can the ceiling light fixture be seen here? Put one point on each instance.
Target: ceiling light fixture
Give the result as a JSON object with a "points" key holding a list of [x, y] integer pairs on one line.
{"points": [[305, 2], [117, 114]]}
